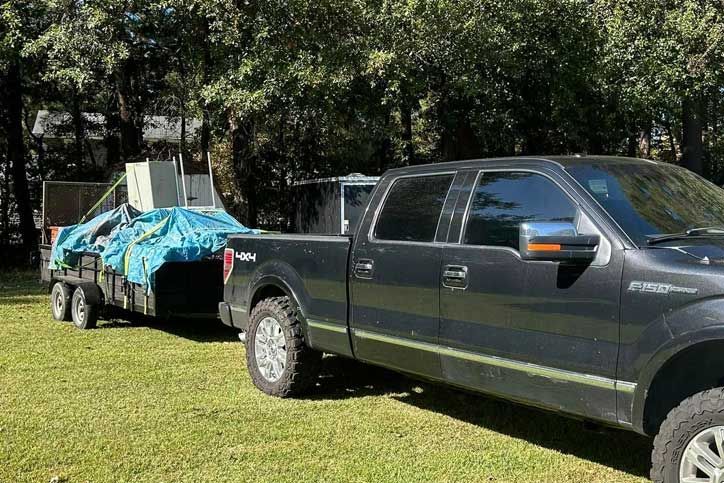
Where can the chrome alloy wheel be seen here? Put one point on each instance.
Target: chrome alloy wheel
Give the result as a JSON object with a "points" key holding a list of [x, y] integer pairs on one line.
{"points": [[270, 349], [703, 458]]}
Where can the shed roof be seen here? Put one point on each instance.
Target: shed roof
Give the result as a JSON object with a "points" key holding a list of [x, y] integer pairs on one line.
{"points": [[58, 125]]}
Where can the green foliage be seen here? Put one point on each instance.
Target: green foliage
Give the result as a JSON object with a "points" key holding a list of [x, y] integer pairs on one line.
{"points": [[316, 88]]}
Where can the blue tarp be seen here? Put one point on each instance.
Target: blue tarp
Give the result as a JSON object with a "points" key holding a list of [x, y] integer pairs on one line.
{"points": [[138, 244]]}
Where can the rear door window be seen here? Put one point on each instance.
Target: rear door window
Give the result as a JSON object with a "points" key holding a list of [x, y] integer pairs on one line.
{"points": [[411, 211]]}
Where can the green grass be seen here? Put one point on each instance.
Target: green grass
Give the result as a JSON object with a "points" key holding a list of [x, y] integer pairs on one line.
{"points": [[173, 402]]}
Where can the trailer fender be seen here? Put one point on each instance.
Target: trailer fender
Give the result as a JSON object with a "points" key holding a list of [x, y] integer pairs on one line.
{"points": [[93, 293]]}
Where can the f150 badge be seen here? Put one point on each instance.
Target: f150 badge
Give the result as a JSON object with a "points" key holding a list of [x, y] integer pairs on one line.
{"points": [[660, 288], [246, 256]]}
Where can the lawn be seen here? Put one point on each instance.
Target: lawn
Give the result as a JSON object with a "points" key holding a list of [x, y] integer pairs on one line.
{"points": [[172, 401]]}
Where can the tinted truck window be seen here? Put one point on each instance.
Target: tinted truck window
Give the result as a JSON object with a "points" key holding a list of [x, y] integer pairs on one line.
{"points": [[412, 208], [502, 201], [652, 199]]}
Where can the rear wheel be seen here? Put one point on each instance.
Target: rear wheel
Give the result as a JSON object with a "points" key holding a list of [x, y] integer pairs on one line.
{"points": [[60, 301], [279, 362], [85, 315], [690, 443]]}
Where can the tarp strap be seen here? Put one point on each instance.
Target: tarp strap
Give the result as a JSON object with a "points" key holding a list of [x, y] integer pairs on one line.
{"points": [[103, 198], [60, 263], [148, 287], [127, 259]]}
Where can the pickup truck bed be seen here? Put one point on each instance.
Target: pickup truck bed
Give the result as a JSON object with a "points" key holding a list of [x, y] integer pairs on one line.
{"points": [[315, 266]]}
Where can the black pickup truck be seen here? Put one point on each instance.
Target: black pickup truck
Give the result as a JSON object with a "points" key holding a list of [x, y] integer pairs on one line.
{"points": [[591, 286]]}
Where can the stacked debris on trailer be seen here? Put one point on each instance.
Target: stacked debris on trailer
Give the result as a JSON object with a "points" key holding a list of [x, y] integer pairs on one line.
{"points": [[137, 244]]}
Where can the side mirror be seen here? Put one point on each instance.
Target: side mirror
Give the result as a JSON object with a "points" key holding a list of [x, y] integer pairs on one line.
{"points": [[556, 242]]}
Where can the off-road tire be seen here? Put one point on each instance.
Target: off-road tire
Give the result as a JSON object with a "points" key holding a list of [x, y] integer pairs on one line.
{"points": [[302, 363], [85, 316], [60, 296], [695, 414]]}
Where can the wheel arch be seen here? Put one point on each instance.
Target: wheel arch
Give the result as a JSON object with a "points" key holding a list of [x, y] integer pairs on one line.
{"points": [[274, 285], [669, 377]]}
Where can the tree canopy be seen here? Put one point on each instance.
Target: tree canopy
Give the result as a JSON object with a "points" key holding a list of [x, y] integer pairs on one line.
{"points": [[294, 89]]}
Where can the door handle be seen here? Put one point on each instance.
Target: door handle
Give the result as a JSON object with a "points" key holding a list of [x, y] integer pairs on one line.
{"points": [[455, 276], [364, 268]]}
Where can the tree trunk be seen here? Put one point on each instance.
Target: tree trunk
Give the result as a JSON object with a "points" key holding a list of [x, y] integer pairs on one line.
{"points": [[459, 142], [129, 123], [645, 143], [16, 155], [5, 199], [467, 143], [408, 150], [632, 145], [77, 118], [39, 148], [182, 141], [205, 114], [692, 147], [110, 135], [384, 151], [244, 164], [672, 141], [205, 133]]}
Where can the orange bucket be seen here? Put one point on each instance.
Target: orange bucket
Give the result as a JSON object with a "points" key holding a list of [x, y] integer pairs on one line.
{"points": [[53, 233]]}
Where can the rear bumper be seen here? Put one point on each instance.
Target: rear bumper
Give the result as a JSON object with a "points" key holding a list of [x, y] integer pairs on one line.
{"points": [[233, 316]]}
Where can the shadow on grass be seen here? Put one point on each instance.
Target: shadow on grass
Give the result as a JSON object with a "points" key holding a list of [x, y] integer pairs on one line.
{"points": [[22, 299], [197, 330], [622, 450], [14, 286]]}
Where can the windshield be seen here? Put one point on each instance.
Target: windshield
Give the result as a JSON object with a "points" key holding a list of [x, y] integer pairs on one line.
{"points": [[648, 199]]}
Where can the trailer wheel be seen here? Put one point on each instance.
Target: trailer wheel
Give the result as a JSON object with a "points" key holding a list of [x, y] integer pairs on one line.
{"points": [[279, 362], [85, 315], [60, 301]]}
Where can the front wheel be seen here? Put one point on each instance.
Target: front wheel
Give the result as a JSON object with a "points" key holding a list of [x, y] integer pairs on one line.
{"points": [[279, 362], [690, 443]]}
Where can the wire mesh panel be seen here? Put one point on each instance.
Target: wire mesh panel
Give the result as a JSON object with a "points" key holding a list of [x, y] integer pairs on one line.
{"points": [[65, 202]]}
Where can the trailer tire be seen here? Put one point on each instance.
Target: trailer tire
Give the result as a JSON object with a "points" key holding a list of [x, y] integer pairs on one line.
{"points": [[60, 296], [85, 314], [279, 362]]}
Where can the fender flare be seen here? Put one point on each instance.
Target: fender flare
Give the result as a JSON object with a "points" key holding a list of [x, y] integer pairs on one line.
{"points": [[658, 361], [282, 276]]}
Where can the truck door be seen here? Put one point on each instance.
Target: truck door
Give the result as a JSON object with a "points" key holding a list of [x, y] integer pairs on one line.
{"points": [[538, 331], [394, 272]]}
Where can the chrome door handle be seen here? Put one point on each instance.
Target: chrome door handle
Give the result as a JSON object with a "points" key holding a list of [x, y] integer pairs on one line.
{"points": [[455, 276], [364, 268]]}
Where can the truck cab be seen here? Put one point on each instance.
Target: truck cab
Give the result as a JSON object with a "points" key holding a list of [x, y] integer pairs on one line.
{"points": [[590, 286]]}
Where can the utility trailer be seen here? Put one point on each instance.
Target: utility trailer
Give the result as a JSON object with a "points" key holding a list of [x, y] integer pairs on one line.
{"points": [[331, 205], [181, 289]]}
